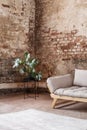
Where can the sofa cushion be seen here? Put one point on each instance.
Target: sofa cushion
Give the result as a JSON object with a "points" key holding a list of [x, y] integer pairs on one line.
{"points": [[74, 91], [56, 82], [80, 77]]}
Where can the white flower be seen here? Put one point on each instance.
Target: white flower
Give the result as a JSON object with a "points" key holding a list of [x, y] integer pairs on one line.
{"points": [[28, 56], [33, 61], [33, 70], [27, 63], [16, 63], [21, 71]]}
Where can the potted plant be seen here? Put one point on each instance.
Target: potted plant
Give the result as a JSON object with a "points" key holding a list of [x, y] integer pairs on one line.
{"points": [[27, 66]]}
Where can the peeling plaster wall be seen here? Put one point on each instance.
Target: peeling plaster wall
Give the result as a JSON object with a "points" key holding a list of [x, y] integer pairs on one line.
{"points": [[17, 25], [56, 30], [61, 35], [17, 21]]}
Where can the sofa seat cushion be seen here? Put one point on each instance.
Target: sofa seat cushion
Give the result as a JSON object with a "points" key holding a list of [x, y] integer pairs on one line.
{"points": [[74, 91]]}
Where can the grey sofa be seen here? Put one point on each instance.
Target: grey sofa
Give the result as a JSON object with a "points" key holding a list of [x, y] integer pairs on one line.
{"points": [[68, 87]]}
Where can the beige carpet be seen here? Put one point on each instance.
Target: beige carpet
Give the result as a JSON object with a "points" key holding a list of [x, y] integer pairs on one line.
{"points": [[38, 120]]}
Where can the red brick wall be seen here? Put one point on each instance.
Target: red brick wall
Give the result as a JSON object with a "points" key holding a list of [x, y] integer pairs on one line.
{"points": [[61, 36], [55, 30], [17, 25], [55, 47]]}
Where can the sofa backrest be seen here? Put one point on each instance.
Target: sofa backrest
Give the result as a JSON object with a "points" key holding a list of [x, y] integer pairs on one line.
{"points": [[56, 82]]}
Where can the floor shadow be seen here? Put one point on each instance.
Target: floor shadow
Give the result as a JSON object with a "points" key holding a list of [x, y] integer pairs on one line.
{"points": [[75, 106]]}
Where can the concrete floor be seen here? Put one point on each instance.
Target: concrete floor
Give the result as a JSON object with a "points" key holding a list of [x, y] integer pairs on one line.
{"points": [[16, 102]]}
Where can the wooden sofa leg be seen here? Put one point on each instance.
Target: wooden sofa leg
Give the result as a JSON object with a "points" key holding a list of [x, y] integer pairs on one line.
{"points": [[54, 102]]}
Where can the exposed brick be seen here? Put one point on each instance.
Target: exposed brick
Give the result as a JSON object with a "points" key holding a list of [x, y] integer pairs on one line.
{"points": [[17, 24], [16, 20], [5, 5], [67, 47], [51, 28]]}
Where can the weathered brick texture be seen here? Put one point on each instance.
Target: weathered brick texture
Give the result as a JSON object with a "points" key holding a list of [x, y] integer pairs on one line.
{"points": [[17, 21], [54, 30], [61, 35], [17, 24]]}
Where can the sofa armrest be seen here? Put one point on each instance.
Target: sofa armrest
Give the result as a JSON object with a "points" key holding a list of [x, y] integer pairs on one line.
{"points": [[56, 82]]}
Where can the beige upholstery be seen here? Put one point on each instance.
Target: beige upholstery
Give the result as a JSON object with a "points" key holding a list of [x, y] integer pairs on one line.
{"points": [[68, 87], [73, 91], [80, 77], [59, 81]]}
